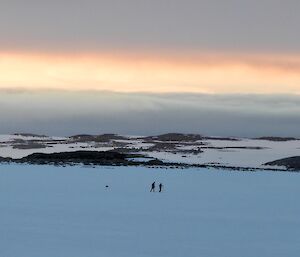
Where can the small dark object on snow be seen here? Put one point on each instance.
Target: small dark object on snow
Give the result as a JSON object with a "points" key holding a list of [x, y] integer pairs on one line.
{"points": [[106, 186]]}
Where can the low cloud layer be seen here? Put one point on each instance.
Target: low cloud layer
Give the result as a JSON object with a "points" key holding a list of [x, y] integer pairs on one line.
{"points": [[67, 113]]}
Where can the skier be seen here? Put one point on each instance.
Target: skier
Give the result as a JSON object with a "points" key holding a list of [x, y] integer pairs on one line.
{"points": [[160, 187], [153, 187]]}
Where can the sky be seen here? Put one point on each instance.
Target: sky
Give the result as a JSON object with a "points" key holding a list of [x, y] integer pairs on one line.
{"points": [[212, 67]]}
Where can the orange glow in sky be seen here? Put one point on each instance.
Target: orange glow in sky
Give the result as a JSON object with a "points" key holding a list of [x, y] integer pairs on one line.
{"points": [[151, 73]]}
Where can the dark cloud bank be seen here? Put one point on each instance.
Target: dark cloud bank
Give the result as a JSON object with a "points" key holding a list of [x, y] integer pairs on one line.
{"points": [[66, 113]]}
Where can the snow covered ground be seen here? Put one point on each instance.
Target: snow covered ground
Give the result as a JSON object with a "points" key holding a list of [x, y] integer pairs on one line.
{"points": [[241, 153], [254, 158], [50, 211], [7, 146]]}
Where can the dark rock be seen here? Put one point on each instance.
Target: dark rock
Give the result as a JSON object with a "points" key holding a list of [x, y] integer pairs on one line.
{"points": [[277, 139], [28, 135], [175, 137], [5, 159], [30, 145], [162, 147], [96, 138], [86, 157], [291, 163], [222, 138], [82, 138], [155, 162]]}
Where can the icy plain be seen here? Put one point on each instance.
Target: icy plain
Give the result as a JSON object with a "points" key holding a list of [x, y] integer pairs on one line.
{"points": [[48, 211]]}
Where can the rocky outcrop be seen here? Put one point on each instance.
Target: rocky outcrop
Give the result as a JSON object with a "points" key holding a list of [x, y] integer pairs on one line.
{"points": [[96, 138], [175, 137], [5, 160], [85, 157], [291, 163], [277, 139], [29, 135], [30, 145]]}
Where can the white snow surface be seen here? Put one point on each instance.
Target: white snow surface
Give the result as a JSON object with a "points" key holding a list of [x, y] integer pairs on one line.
{"points": [[7, 150], [254, 158], [51, 211]]}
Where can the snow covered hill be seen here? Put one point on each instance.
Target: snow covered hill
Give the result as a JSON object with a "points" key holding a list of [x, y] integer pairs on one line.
{"points": [[192, 149]]}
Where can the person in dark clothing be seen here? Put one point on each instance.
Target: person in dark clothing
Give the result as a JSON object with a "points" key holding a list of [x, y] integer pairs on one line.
{"points": [[153, 187], [160, 187]]}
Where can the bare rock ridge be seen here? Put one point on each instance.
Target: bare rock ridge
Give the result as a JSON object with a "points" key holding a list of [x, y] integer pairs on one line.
{"points": [[86, 157], [28, 135], [291, 163], [96, 138], [180, 137], [109, 158], [277, 139], [175, 137]]}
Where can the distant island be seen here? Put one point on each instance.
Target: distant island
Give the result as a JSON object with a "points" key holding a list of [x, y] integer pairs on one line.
{"points": [[173, 150]]}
